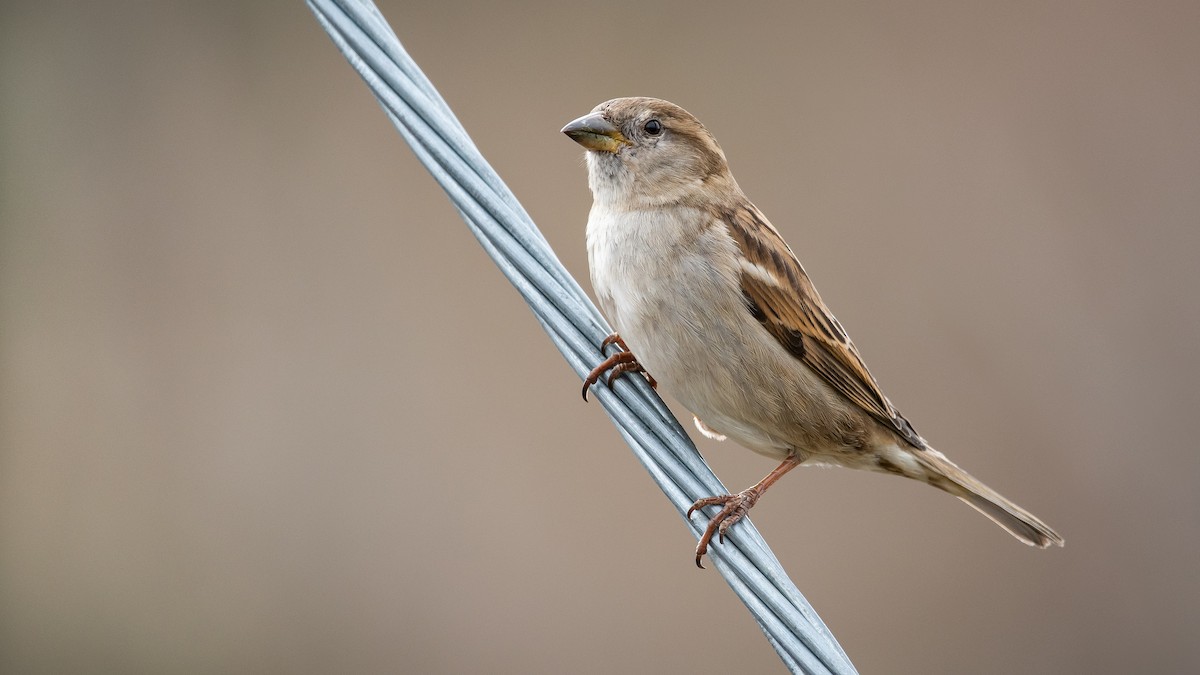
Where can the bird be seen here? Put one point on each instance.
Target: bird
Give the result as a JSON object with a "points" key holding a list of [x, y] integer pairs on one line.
{"points": [[706, 298]]}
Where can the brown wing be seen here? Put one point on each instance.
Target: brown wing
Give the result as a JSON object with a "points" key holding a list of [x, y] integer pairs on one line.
{"points": [[781, 296]]}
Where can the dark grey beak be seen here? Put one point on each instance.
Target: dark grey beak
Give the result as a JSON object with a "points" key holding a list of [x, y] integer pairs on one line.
{"points": [[595, 132]]}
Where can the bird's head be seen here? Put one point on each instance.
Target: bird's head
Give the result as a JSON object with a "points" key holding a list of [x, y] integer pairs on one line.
{"points": [[647, 151]]}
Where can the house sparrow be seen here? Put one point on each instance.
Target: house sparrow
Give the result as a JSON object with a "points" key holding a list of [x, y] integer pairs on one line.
{"points": [[704, 291]]}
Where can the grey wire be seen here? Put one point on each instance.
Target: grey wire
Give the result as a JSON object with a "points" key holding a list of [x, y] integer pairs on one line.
{"points": [[575, 326]]}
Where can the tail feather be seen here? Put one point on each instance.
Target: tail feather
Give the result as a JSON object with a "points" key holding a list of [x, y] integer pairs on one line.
{"points": [[1017, 521]]}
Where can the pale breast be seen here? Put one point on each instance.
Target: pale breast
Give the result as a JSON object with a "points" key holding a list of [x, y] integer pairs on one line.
{"points": [[654, 268], [668, 282]]}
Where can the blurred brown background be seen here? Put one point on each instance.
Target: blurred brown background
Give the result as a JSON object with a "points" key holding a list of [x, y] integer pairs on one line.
{"points": [[265, 406]]}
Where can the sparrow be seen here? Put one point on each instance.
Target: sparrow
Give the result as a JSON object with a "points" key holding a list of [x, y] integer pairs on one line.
{"points": [[705, 295]]}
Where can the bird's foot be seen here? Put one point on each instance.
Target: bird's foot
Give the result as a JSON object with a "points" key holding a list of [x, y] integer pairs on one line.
{"points": [[735, 507], [619, 363]]}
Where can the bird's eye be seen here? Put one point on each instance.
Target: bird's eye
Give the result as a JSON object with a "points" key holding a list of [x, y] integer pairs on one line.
{"points": [[653, 127]]}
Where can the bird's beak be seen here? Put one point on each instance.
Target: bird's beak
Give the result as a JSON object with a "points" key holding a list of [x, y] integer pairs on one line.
{"points": [[594, 132]]}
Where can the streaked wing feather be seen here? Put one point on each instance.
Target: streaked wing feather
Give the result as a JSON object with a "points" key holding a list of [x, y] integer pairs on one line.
{"points": [[783, 299]]}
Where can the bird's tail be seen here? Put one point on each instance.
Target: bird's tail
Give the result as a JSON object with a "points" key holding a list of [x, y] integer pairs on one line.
{"points": [[1020, 523]]}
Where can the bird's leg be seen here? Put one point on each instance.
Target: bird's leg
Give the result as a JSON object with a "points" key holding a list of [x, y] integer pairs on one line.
{"points": [[620, 363], [737, 506]]}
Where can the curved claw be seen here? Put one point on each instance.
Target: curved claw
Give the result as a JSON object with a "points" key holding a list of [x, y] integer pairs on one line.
{"points": [[619, 363], [622, 368], [734, 509], [617, 360], [613, 339]]}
